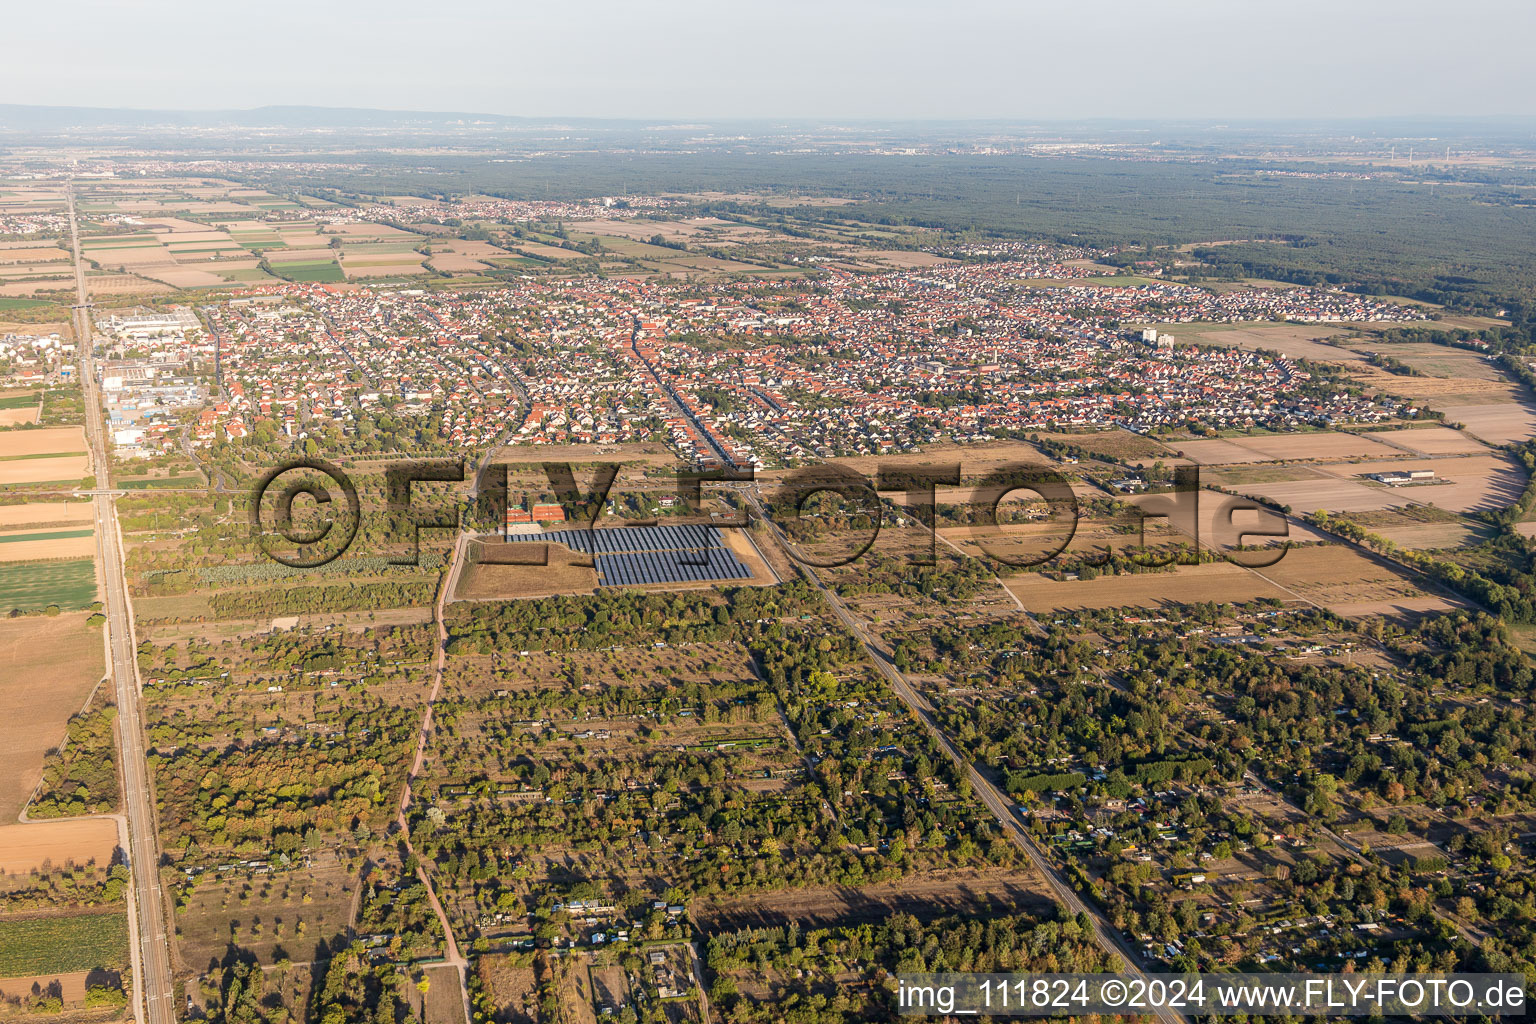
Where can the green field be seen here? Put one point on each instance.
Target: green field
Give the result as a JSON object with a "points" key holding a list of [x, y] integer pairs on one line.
{"points": [[29, 585], [149, 483], [13, 303], [19, 401], [322, 273], [48, 945]]}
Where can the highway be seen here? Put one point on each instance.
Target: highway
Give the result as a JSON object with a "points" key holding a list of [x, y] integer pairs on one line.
{"points": [[154, 986], [1106, 934]]}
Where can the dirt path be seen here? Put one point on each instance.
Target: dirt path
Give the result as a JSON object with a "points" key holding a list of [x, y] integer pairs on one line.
{"points": [[452, 957]]}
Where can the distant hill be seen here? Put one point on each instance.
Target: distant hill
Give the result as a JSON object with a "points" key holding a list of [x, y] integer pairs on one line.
{"points": [[17, 117]]}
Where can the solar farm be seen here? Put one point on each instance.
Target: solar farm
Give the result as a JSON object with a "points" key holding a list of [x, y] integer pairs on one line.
{"points": [[638, 555]]}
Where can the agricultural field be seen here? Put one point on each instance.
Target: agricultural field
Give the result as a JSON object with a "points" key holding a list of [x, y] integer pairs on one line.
{"points": [[34, 846], [1432, 440], [34, 586], [1351, 584], [54, 456], [46, 531], [77, 942], [53, 664], [19, 406], [1220, 582]]}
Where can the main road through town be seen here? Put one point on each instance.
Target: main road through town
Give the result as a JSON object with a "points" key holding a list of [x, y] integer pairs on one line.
{"points": [[153, 985]]}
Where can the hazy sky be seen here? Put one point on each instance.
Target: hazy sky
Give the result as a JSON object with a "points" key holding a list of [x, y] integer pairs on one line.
{"points": [[681, 59]]}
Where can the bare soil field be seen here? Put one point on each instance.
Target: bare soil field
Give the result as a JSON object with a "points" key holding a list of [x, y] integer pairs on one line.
{"points": [[1345, 581], [489, 576], [610, 987], [1218, 452], [1437, 392], [1462, 483], [31, 254], [47, 441], [1316, 445], [52, 664], [1185, 584], [1495, 423], [1435, 536], [355, 272], [1440, 360], [49, 548], [82, 840], [182, 277], [71, 986], [1433, 441], [1333, 495], [125, 284], [942, 892], [1288, 447], [66, 469], [453, 263], [16, 417]]}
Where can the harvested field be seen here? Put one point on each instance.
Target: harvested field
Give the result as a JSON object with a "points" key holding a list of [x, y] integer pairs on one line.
{"points": [[19, 415], [1218, 452], [28, 547], [450, 263], [394, 268], [70, 986], [1185, 584], [1435, 536], [52, 664], [32, 254], [125, 284], [1432, 441], [46, 441], [1317, 445], [63, 470], [489, 576], [1461, 484], [1333, 495], [943, 892], [1439, 360], [27, 847], [1345, 581], [444, 1004], [1495, 423]]}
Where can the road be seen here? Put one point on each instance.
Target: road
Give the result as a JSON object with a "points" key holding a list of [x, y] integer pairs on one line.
{"points": [[154, 985], [1105, 933]]}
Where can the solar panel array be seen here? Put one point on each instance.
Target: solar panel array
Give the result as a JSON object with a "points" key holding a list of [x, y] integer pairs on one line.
{"points": [[650, 554]]}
